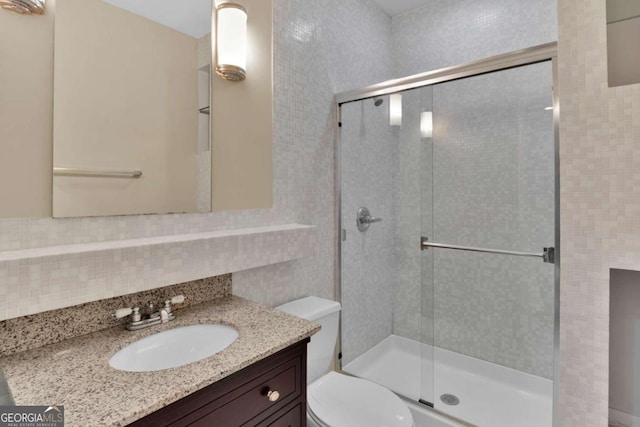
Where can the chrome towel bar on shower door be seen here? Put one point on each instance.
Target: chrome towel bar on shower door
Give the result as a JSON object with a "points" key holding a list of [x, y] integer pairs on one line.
{"points": [[547, 255]]}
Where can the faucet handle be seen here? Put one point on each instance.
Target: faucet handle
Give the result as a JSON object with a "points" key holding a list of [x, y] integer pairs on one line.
{"points": [[167, 306], [178, 299], [122, 312]]}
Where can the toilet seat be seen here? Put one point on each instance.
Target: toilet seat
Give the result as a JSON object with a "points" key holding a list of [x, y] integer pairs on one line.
{"points": [[337, 400]]}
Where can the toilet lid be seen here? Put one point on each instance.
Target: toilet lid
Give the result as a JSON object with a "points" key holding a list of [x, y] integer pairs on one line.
{"points": [[342, 401]]}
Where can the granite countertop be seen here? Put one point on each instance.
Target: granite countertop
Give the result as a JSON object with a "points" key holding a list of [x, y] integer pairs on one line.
{"points": [[76, 372]]}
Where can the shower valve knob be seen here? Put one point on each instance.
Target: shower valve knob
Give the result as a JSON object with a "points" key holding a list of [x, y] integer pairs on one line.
{"points": [[364, 219]]}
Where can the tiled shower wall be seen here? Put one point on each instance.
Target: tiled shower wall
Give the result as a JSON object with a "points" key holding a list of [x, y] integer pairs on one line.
{"points": [[369, 158], [320, 47], [600, 205], [485, 179], [494, 186], [443, 34]]}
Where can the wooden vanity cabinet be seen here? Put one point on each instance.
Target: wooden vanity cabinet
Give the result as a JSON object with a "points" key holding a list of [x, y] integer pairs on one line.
{"points": [[242, 399]]}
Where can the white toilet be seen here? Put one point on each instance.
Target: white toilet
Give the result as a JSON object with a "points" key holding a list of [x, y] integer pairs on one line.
{"points": [[338, 400]]}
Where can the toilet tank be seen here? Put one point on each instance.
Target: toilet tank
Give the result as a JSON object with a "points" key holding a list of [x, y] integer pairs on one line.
{"points": [[321, 349]]}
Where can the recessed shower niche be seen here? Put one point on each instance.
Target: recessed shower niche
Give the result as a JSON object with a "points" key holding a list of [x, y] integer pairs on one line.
{"points": [[624, 349], [623, 31]]}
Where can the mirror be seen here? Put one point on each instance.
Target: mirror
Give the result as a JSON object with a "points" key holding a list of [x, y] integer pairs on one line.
{"points": [[240, 161], [131, 107]]}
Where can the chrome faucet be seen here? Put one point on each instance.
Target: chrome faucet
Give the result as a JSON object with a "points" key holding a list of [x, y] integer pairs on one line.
{"points": [[151, 318]]}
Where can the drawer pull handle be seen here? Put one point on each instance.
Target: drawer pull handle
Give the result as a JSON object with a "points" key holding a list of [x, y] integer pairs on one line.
{"points": [[273, 395]]}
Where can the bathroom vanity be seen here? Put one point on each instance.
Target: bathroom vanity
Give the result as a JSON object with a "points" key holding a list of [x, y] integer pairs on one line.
{"points": [[259, 380], [271, 392]]}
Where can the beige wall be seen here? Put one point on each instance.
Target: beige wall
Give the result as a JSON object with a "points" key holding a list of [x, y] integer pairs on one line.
{"points": [[123, 100], [26, 115], [241, 123], [600, 205]]}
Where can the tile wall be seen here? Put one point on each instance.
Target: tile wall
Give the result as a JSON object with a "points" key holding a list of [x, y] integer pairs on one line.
{"points": [[600, 208], [44, 279], [445, 33]]}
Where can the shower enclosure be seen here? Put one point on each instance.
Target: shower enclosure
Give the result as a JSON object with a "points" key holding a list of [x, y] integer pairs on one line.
{"points": [[449, 279]]}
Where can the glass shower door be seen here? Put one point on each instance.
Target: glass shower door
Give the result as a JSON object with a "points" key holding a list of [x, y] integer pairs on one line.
{"points": [[380, 264], [491, 185]]}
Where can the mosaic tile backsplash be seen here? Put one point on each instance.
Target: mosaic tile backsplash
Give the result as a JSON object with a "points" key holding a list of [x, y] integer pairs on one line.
{"points": [[36, 280], [24, 333]]}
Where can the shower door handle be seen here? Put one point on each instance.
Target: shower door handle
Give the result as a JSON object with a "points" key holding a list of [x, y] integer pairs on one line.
{"points": [[364, 219]]}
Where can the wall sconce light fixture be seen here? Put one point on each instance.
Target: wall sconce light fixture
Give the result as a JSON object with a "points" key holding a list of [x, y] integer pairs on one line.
{"points": [[231, 41], [395, 109], [24, 7], [426, 124]]}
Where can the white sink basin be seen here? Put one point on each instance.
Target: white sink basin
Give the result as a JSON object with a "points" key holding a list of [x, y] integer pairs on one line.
{"points": [[173, 348]]}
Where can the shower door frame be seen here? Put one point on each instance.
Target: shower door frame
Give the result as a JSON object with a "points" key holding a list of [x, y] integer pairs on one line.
{"points": [[519, 58]]}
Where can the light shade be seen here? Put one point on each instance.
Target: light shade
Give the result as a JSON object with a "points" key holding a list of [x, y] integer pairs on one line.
{"points": [[231, 41], [426, 124], [395, 110]]}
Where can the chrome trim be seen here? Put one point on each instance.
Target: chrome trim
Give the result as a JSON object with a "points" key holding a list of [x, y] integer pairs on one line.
{"points": [[24, 7], [96, 172], [231, 72], [495, 63], [547, 254], [229, 5], [341, 237], [556, 312]]}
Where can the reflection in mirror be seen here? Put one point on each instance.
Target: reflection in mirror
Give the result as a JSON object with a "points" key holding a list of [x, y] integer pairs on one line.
{"points": [[131, 93]]}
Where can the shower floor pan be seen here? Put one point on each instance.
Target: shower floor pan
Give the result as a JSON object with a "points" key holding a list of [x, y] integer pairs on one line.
{"points": [[489, 395]]}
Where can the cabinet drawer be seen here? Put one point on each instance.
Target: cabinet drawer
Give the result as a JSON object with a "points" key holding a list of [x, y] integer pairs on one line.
{"points": [[293, 417], [254, 401]]}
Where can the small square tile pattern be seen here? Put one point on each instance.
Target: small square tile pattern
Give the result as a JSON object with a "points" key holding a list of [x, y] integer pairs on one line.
{"points": [[36, 280], [600, 205]]}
